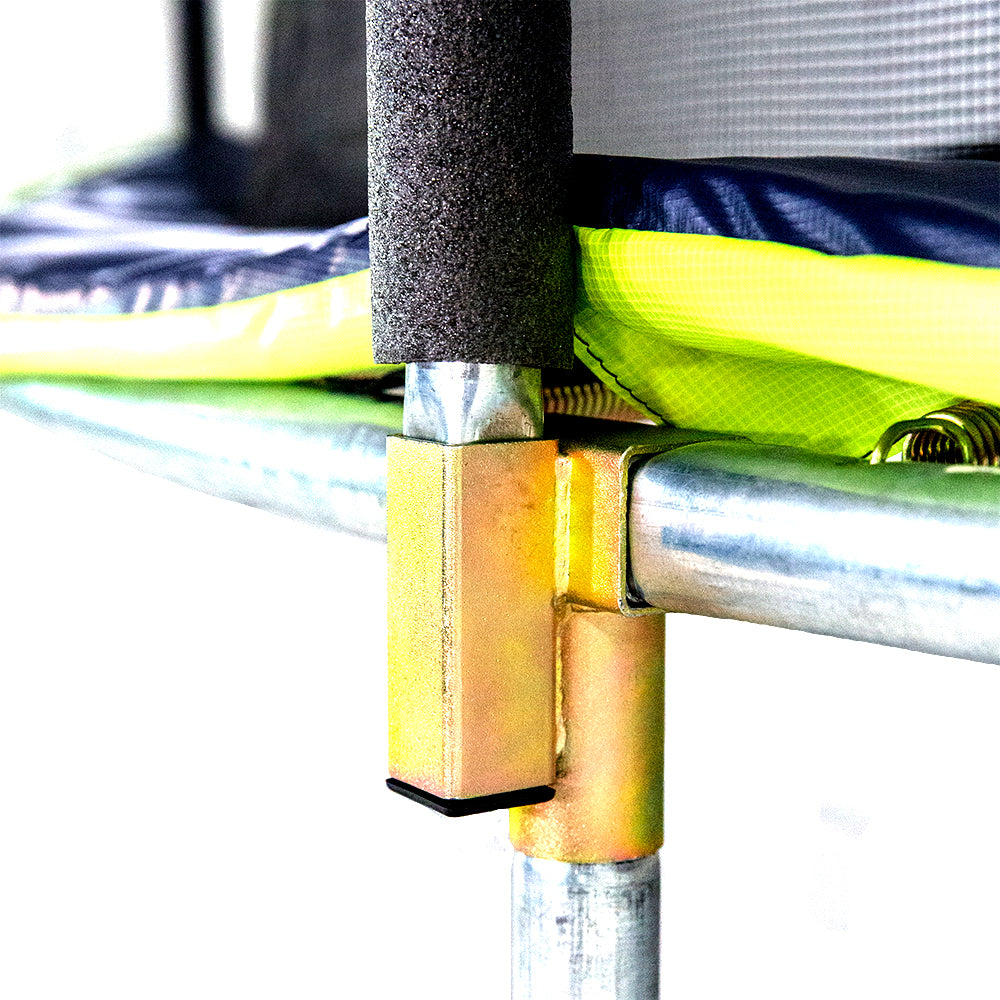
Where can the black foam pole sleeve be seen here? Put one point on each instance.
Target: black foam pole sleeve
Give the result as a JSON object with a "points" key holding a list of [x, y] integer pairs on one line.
{"points": [[470, 138]]}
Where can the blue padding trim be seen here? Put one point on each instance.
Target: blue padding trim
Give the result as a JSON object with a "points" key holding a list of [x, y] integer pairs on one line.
{"points": [[145, 237], [946, 210]]}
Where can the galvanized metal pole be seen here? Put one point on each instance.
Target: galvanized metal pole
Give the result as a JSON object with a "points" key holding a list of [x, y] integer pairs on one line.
{"points": [[586, 878], [470, 132], [457, 403], [585, 931], [304, 453], [903, 554]]}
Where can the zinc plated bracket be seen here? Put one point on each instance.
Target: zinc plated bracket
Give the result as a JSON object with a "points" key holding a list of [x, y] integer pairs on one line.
{"points": [[522, 674], [593, 472], [471, 534]]}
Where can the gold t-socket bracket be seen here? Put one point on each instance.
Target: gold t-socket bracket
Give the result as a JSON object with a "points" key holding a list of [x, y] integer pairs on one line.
{"points": [[520, 668], [608, 804]]}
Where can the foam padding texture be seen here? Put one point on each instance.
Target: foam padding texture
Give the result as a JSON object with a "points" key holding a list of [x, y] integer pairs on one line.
{"points": [[470, 145]]}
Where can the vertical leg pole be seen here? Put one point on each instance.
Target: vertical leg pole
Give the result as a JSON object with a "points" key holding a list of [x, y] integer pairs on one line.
{"points": [[585, 931], [586, 879]]}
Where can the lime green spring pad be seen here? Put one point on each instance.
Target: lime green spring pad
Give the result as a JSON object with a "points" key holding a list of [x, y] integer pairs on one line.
{"points": [[783, 344], [778, 343], [303, 332]]}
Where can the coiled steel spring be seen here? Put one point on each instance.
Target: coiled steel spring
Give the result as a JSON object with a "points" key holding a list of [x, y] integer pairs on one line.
{"points": [[592, 399], [966, 433]]}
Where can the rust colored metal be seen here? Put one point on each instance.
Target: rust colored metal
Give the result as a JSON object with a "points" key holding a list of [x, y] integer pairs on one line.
{"points": [[609, 786], [471, 616]]}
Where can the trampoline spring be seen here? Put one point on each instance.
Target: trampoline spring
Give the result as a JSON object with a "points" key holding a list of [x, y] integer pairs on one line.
{"points": [[591, 399], [965, 433]]}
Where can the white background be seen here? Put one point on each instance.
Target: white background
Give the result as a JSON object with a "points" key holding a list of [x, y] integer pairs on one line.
{"points": [[192, 726]]}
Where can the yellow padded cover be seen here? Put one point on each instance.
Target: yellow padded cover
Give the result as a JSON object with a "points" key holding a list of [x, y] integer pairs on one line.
{"points": [[783, 344], [303, 332]]}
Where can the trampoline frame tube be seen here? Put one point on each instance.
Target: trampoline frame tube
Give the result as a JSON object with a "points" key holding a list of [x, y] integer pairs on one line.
{"points": [[901, 554]]}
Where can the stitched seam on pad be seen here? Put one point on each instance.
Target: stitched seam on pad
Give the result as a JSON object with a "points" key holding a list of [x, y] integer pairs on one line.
{"points": [[641, 402]]}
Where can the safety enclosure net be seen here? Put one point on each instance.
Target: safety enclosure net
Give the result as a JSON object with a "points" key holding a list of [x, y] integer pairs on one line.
{"points": [[793, 231]]}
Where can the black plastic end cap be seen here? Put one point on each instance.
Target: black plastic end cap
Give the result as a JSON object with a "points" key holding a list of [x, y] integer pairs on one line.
{"points": [[479, 804]]}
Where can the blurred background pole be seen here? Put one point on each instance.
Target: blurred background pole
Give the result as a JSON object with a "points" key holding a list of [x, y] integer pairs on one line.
{"points": [[193, 40]]}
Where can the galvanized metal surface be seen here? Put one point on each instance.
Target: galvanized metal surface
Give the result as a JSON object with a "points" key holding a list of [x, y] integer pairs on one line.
{"points": [[299, 452], [609, 767], [902, 554], [471, 616], [585, 932], [458, 403]]}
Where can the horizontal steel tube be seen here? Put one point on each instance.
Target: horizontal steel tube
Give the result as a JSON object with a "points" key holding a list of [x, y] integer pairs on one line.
{"points": [[300, 452], [902, 554]]}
